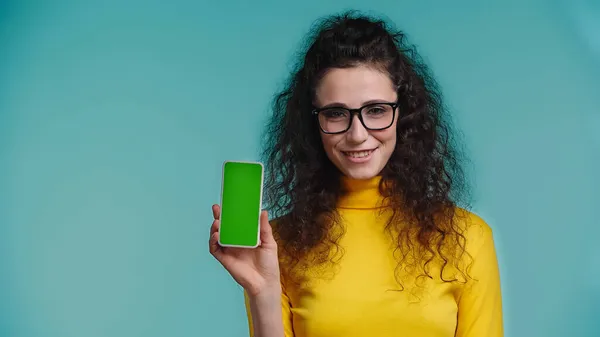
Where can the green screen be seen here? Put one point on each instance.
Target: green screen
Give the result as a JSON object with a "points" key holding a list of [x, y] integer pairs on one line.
{"points": [[241, 203]]}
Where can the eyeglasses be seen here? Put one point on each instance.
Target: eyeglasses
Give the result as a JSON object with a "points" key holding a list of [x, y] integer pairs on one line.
{"points": [[375, 116]]}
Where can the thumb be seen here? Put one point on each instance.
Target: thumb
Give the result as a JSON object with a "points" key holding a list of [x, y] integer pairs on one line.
{"points": [[266, 232]]}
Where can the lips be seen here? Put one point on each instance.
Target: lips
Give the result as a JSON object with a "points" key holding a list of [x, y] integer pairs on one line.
{"points": [[358, 154]]}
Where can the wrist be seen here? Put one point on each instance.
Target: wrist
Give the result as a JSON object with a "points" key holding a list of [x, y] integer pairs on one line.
{"points": [[263, 289], [265, 298], [265, 309]]}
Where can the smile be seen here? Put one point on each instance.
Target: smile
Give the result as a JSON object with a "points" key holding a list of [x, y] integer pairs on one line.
{"points": [[358, 154]]}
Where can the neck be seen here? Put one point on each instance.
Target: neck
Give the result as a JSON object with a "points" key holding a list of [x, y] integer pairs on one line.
{"points": [[361, 193]]}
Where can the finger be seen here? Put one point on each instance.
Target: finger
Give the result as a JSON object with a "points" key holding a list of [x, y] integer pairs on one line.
{"points": [[215, 226], [266, 232], [217, 251], [213, 245], [216, 209]]}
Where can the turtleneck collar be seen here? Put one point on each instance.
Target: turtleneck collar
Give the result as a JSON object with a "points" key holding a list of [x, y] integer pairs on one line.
{"points": [[361, 194]]}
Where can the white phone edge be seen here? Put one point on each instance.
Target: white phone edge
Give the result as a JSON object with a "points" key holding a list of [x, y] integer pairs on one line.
{"points": [[262, 177]]}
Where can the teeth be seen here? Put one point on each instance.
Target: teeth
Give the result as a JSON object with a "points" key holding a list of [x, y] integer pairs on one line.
{"points": [[358, 154]]}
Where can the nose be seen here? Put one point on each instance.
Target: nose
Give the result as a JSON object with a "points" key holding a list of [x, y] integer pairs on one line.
{"points": [[357, 134]]}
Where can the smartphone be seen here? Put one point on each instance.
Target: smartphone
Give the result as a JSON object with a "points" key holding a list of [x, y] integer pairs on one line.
{"points": [[241, 202]]}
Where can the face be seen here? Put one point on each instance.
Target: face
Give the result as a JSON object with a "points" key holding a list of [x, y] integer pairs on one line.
{"points": [[358, 153]]}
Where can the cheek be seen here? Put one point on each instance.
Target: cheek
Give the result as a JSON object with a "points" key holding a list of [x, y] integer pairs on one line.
{"points": [[329, 143], [388, 137], [389, 142]]}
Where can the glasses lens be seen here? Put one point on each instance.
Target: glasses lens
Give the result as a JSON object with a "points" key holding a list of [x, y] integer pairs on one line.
{"points": [[334, 120], [375, 117], [378, 116]]}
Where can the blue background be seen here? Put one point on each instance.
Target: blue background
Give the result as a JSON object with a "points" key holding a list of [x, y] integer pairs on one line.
{"points": [[115, 117]]}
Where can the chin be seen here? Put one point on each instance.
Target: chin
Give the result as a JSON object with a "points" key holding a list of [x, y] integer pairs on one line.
{"points": [[361, 173]]}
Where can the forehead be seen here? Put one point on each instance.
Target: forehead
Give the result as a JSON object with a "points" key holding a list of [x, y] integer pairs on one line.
{"points": [[354, 86]]}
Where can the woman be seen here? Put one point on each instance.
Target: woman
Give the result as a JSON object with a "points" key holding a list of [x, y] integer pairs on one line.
{"points": [[369, 239]]}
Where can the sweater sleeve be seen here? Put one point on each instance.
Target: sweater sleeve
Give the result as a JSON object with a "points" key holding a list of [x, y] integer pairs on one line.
{"points": [[286, 314], [480, 304]]}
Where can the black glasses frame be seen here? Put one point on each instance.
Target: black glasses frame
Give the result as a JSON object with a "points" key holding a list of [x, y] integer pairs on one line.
{"points": [[357, 112]]}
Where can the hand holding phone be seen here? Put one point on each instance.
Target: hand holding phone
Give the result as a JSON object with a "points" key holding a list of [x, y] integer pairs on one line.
{"points": [[247, 250]]}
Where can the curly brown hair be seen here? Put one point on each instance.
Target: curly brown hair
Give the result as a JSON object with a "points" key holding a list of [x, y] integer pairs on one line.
{"points": [[424, 181]]}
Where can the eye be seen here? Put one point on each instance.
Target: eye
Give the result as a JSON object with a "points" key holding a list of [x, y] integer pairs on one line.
{"points": [[376, 110], [335, 113]]}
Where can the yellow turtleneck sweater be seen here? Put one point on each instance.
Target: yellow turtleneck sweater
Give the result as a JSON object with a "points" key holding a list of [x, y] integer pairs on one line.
{"points": [[358, 296]]}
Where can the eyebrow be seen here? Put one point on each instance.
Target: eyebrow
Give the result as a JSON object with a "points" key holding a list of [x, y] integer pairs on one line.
{"points": [[342, 105]]}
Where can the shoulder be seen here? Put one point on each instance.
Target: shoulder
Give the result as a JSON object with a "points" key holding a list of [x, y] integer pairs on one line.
{"points": [[474, 228]]}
